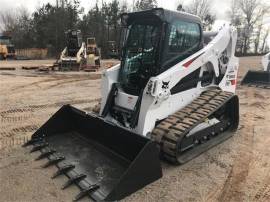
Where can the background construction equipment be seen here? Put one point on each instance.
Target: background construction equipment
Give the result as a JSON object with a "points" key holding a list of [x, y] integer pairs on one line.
{"points": [[74, 54], [93, 55], [259, 78], [7, 49]]}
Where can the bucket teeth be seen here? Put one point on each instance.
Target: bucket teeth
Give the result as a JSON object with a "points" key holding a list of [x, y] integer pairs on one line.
{"points": [[32, 141], [45, 154], [53, 161], [39, 146], [63, 170], [73, 180], [86, 191]]}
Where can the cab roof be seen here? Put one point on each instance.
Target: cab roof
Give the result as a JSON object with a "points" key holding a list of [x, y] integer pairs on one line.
{"points": [[162, 14]]}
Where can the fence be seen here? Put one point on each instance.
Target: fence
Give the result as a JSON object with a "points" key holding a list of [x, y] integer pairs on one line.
{"points": [[33, 53]]}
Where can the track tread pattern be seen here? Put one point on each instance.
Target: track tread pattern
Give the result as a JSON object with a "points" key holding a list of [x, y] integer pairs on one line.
{"points": [[174, 128]]}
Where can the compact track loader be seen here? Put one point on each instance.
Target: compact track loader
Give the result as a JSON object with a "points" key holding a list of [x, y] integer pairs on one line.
{"points": [[112, 50], [172, 97], [259, 79], [74, 54]]}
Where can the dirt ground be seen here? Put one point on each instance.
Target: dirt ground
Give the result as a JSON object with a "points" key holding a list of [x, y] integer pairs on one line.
{"points": [[236, 170]]}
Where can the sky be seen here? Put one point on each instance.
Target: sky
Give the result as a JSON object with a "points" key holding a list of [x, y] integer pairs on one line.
{"points": [[219, 7], [169, 4]]}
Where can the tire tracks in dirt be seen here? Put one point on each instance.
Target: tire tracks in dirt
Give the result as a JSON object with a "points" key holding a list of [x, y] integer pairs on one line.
{"points": [[24, 120], [66, 81], [8, 144], [32, 108], [59, 79], [263, 194], [232, 187], [18, 131]]}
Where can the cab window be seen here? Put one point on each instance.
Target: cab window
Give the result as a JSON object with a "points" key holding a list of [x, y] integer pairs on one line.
{"points": [[183, 40], [184, 36]]}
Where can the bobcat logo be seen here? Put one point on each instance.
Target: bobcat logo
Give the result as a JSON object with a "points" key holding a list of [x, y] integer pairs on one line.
{"points": [[165, 85]]}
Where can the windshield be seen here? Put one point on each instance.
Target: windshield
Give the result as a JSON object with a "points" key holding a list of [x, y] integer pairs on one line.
{"points": [[139, 56], [72, 42]]}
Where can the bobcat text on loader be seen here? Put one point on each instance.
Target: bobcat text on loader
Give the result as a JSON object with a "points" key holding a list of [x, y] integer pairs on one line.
{"points": [[172, 97], [259, 78]]}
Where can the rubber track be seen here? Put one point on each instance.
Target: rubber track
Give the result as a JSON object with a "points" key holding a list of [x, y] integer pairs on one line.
{"points": [[174, 128]]}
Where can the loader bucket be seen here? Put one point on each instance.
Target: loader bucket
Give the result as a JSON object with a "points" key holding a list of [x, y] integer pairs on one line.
{"points": [[257, 78], [107, 162]]}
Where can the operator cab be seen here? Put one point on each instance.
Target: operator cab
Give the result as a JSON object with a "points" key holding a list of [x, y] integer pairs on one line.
{"points": [[152, 42], [73, 42]]}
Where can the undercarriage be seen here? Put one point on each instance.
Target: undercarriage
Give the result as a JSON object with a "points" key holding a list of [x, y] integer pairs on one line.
{"points": [[207, 121]]}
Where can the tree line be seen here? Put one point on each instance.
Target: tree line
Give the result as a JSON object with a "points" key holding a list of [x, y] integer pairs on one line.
{"points": [[246, 15], [46, 26]]}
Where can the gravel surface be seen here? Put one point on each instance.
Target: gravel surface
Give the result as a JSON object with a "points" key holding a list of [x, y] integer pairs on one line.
{"points": [[236, 170]]}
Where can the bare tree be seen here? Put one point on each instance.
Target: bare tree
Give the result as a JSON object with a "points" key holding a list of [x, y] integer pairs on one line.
{"points": [[145, 4], [236, 18], [11, 19], [124, 6], [252, 11], [257, 37], [17, 24], [234, 13], [8, 20], [199, 7], [202, 8]]}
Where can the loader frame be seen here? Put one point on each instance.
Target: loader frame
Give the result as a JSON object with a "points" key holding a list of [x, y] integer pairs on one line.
{"points": [[160, 97]]}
